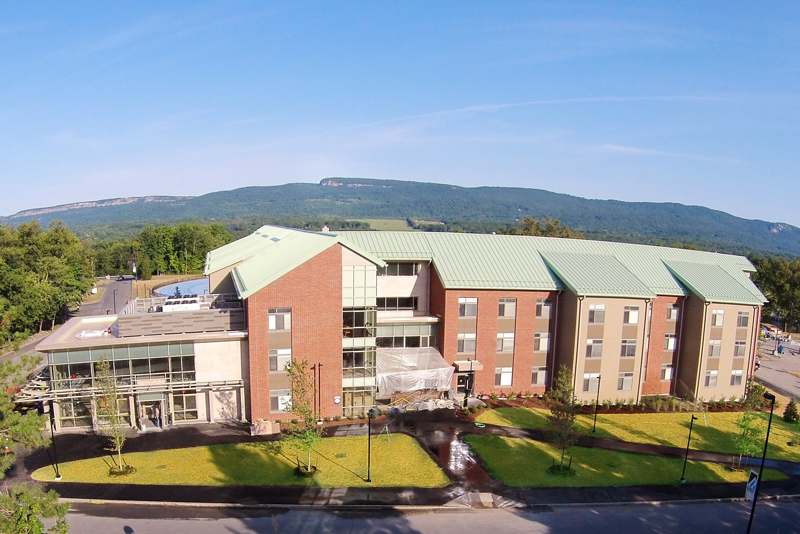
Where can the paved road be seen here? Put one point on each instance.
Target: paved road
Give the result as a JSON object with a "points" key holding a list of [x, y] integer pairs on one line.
{"points": [[775, 369], [774, 517], [106, 302]]}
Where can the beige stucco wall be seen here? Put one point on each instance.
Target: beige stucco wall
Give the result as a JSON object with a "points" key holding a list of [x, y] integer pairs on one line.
{"points": [[728, 334], [610, 364], [222, 360], [221, 281], [407, 286]]}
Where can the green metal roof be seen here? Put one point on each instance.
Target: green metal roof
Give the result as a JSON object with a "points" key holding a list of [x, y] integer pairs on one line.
{"points": [[271, 252], [598, 275], [481, 261], [712, 283]]}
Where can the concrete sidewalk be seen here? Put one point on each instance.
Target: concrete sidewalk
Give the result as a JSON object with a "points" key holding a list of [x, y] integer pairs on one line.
{"points": [[438, 432]]}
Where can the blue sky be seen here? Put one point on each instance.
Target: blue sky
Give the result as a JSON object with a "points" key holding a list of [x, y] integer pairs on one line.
{"points": [[685, 102]]}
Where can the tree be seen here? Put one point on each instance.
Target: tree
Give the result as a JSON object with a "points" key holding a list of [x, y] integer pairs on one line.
{"points": [[547, 227], [563, 411], [754, 395], [304, 435], [790, 414], [109, 415], [22, 508], [748, 440]]}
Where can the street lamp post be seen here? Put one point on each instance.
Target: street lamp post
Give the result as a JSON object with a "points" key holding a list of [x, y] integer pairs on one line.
{"points": [[596, 402], [686, 458], [53, 438], [115, 302], [770, 397], [369, 444]]}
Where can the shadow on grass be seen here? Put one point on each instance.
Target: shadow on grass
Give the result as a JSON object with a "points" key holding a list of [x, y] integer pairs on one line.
{"points": [[257, 464], [524, 463]]}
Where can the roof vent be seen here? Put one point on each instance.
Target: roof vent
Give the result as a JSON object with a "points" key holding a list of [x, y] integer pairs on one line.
{"points": [[275, 239]]}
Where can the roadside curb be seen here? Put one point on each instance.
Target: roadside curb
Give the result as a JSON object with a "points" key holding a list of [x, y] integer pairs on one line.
{"points": [[413, 507]]}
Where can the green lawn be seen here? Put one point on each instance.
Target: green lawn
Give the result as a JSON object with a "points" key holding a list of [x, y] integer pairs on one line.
{"points": [[401, 462], [712, 431], [524, 463], [387, 225]]}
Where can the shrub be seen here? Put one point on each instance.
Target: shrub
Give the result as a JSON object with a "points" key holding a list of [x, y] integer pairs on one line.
{"points": [[606, 405], [511, 395], [294, 421], [671, 403], [327, 419], [337, 418], [473, 409], [593, 405], [362, 416], [790, 414], [494, 396], [350, 418]]}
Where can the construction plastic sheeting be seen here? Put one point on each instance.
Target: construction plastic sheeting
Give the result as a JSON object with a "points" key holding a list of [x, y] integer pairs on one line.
{"points": [[412, 369]]}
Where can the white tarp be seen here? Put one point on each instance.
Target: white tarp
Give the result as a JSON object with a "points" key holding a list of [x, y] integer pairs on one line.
{"points": [[412, 369]]}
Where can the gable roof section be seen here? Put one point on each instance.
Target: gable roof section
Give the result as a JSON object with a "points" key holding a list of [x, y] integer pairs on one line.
{"points": [[271, 252], [481, 261], [597, 275], [712, 283]]}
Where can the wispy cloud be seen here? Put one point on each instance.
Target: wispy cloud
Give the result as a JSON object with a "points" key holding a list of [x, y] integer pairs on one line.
{"points": [[68, 137], [636, 151]]}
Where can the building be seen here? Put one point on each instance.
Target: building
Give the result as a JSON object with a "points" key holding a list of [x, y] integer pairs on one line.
{"points": [[379, 313]]}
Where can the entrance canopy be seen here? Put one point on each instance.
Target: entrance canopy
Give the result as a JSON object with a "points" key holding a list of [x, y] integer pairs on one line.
{"points": [[412, 369]]}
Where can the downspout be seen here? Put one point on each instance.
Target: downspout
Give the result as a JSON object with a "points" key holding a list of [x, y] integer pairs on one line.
{"points": [[678, 340], [577, 340], [702, 344], [753, 342], [553, 345], [645, 345]]}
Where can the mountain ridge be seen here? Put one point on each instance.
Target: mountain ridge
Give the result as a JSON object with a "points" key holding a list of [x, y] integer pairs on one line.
{"points": [[367, 198]]}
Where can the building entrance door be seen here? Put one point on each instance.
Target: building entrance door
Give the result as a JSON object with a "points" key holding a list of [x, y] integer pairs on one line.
{"points": [[150, 410]]}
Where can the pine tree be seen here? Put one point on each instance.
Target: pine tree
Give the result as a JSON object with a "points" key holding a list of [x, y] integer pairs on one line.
{"points": [[563, 411]]}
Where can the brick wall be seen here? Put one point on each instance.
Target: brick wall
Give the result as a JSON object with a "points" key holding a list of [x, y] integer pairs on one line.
{"points": [[314, 293], [444, 303], [656, 356]]}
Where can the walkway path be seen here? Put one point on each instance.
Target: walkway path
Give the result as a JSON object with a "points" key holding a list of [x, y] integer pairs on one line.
{"points": [[438, 432]]}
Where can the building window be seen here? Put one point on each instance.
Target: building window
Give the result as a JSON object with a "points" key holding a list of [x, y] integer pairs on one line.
{"points": [[357, 400], [396, 303], [539, 376], [358, 363], [739, 349], [591, 381], [541, 342], [74, 413], [508, 308], [670, 342], [400, 269], [358, 322], [466, 343], [594, 348], [625, 382], [673, 310], [666, 371], [711, 379], [714, 348], [505, 342], [544, 308], [468, 307], [736, 378], [630, 315], [280, 318], [279, 400], [278, 358], [716, 317], [184, 405], [742, 319], [502, 376], [597, 313], [628, 348]]}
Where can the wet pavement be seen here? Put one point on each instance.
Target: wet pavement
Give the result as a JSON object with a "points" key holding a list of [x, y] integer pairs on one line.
{"points": [[438, 432]]}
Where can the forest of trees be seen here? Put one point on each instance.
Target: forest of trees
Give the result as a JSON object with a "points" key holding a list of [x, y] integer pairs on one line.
{"points": [[779, 280], [177, 249], [42, 273]]}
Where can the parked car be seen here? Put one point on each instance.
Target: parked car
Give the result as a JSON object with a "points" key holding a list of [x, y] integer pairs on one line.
{"points": [[120, 278]]}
